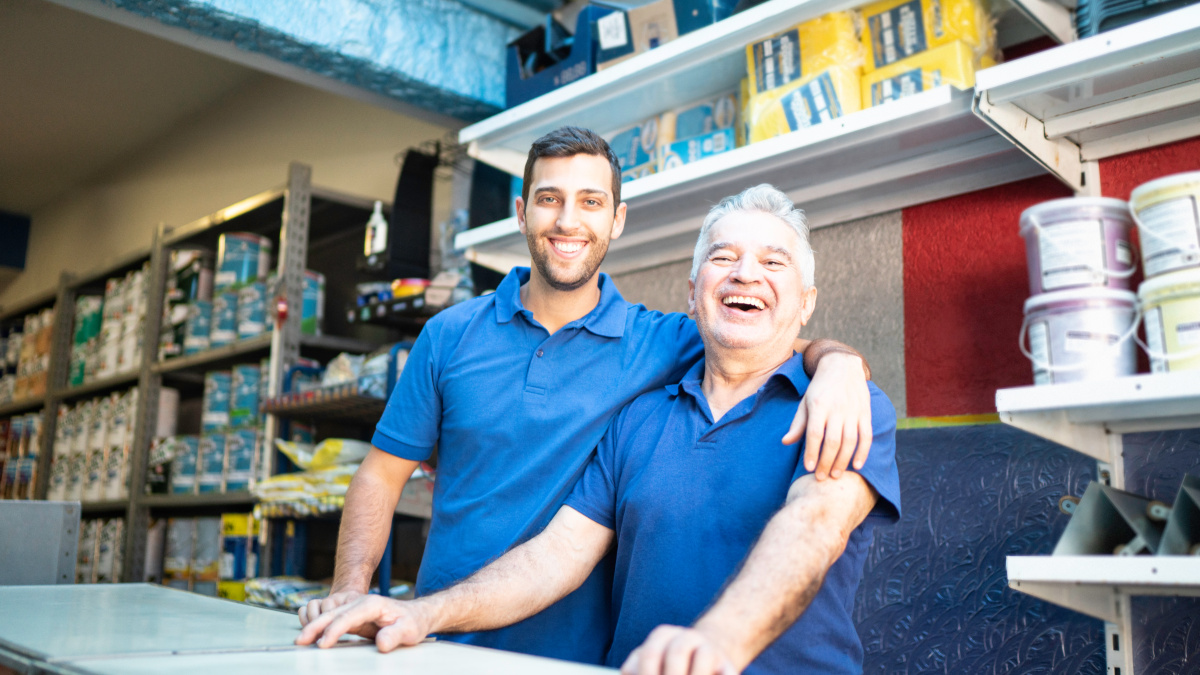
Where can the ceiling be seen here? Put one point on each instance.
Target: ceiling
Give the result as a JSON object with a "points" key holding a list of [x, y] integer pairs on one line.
{"points": [[80, 94]]}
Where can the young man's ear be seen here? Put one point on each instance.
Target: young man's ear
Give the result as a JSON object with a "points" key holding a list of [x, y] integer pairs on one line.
{"points": [[520, 204]]}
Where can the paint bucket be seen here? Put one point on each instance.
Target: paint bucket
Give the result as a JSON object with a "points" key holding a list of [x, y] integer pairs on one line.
{"points": [[241, 446], [1081, 334], [1077, 242], [242, 257], [243, 406], [198, 326], [1171, 307], [210, 468], [312, 309], [191, 275], [214, 408], [185, 450], [1168, 220], [224, 319], [252, 310]]}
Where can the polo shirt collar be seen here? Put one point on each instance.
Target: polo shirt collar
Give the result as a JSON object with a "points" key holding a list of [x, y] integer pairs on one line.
{"points": [[607, 318], [792, 371]]}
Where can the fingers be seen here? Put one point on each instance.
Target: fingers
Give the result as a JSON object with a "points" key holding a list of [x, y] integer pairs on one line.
{"points": [[303, 614], [631, 661], [798, 424], [865, 436], [315, 627], [653, 650], [846, 453], [815, 434], [403, 633], [677, 659], [705, 661], [832, 445], [672, 650]]}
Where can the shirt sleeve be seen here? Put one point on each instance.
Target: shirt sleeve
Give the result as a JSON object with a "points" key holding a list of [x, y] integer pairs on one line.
{"points": [[677, 334], [411, 421], [880, 470], [595, 494]]}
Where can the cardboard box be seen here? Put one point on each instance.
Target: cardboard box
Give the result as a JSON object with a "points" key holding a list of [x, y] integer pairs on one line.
{"points": [[547, 57], [690, 150], [642, 29]]}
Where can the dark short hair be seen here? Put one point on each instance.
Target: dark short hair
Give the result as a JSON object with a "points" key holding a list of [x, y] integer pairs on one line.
{"points": [[568, 142]]}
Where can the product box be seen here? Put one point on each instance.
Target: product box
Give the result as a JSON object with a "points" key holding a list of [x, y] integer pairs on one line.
{"points": [[206, 556], [218, 391], [899, 29], [232, 590], [197, 327], [224, 329], [177, 553], [953, 63], [241, 457], [692, 149], [647, 169], [625, 34], [185, 451], [239, 547], [548, 57], [210, 467], [638, 145], [244, 395]]}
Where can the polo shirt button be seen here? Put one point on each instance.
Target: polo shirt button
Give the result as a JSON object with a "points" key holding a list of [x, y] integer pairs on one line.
{"points": [[539, 353]]}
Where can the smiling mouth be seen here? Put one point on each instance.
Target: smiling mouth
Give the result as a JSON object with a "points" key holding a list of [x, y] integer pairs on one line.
{"points": [[744, 303], [567, 247]]}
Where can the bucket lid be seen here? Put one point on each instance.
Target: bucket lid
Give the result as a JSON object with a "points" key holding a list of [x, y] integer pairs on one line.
{"points": [[1142, 193], [1056, 209], [1045, 300], [1163, 285]]}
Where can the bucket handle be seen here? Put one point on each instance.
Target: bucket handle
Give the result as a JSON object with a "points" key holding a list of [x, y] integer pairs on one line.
{"points": [[1097, 272], [1142, 230], [1155, 354], [1131, 332]]}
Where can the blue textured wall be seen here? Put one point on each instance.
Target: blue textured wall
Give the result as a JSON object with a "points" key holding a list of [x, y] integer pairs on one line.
{"points": [[935, 597], [437, 54]]}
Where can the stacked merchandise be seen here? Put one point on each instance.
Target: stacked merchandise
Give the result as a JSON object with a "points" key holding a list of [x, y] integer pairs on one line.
{"points": [[20, 441], [187, 306], [677, 137], [211, 556], [100, 559], [803, 76], [227, 453], [108, 329], [239, 307], [239, 554], [917, 45], [1099, 16], [25, 358]]}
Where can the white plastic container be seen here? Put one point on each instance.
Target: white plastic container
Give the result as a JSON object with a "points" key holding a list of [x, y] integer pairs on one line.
{"points": [[1168, 219], [1080, 335], [1170, 304], [1076, 242]]}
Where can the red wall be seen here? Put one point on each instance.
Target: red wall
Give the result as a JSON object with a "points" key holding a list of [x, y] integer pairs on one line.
{"points": [[1121, 174]]}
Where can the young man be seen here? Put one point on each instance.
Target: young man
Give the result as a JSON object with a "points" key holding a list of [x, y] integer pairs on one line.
{"points": [[688, 486], [517, 388]]}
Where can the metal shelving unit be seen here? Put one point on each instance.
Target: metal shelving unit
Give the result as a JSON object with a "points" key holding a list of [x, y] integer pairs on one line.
{"points": [[1120, 91], [1091, 418], [343, 402], [407, 313]]}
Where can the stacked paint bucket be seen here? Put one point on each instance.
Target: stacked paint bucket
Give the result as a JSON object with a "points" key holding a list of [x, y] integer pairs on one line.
{"points": [[1167, 212], [240, 296], [1082, 318], [187, 312]]}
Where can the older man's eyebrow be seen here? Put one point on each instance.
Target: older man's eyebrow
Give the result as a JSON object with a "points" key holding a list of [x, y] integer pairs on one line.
{"points": [[781, 251], [725, 244], [713, 248]]}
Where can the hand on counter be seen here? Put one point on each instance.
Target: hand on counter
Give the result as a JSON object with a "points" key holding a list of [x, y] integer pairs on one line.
{"points": [[678, 650], [315, 608], [391, 623]]}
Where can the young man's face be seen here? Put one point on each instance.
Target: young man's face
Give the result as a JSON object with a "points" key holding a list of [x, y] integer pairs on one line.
{"points": [[749, 290], [570, 218]]}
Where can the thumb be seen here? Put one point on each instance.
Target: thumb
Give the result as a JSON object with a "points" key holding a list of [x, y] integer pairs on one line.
{"points": [[798, 423]]}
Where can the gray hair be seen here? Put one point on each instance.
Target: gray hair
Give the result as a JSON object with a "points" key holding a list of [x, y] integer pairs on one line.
{"points": [[762, 198]]}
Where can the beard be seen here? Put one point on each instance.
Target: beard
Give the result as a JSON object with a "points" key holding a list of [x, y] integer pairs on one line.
{"points": [[571, 278]]}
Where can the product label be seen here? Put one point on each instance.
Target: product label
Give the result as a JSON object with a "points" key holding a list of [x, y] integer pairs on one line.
{"points": [[897, 33], [1124, 253], [1071, 253], [1154, 340], [811, 104], [1187, 334], [904, 84], [1170, 235], [1088, 342], [777, 61], [612, 31], [1039, 346]]}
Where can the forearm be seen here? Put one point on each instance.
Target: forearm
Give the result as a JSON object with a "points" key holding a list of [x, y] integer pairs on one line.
{"points": [[522, 582], [815, 350], [365, 527]]}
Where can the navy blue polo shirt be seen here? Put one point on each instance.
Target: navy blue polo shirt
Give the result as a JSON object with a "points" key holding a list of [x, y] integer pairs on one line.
{"points": [[516, 413], [687, 499]]}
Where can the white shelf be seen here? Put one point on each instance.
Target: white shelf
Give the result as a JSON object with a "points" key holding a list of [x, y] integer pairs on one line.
{"points": [[702, 63], [1084, 416], [918, 149], [1124, 90], [1093, 585]]}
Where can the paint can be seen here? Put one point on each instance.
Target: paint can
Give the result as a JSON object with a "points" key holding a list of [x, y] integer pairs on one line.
{"points": [[224, 319], [1171, 307], [210, 468], [1077, 242], [197, 327], [1168, 218], [214, 408], [241, 447], [252, 310], [1080, 334], [312, 310], [242, 257], [243, 407], [191, 275]]}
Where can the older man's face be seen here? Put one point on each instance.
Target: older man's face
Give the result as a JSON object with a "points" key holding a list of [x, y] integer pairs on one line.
{"points": [[749, 291]]}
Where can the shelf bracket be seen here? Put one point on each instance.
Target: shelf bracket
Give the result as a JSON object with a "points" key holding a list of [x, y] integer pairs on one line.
{"points": [[1052, 18], [1090, 439], [1059, 156], [1118, 638]]}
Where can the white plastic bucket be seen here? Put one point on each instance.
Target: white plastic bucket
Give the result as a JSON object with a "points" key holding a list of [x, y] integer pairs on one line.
{"points": [[1077, 242], [1171, 309], [1168, 219], [1079, 335]]}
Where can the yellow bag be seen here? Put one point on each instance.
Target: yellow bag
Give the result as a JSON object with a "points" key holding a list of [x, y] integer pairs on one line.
{"points": [[954, 63], [826, 95], [899, 29]]}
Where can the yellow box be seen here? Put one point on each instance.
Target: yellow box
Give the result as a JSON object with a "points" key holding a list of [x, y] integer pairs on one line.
{"points": [[232, 590], [894, 30], [803, 103], [239, 525], [953, 64], [803, 51]]}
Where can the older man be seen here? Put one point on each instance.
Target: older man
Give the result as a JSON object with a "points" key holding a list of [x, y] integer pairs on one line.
{"points": [[686, 481]]}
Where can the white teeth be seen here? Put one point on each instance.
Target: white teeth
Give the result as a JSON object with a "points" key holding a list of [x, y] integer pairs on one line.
{"points": [[744, 300], [568, 246]]}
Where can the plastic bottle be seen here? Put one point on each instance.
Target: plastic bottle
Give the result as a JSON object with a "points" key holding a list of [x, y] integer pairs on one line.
{"points": [[377, 232]]}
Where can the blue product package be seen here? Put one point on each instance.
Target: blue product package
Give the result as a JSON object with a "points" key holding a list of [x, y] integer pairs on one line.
{"points": [[635, 145], [252, 310], [780, 61], [693, 15], [197, 327], [693, 149], [244, 396], [224, 319], [904, 84], [210, 468], [240, 450], [312, 310], [183, 466], [811, 104], [242, 257], [214, 412], [897, 33]]}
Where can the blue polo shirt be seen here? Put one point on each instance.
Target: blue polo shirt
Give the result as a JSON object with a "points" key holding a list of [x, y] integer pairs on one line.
{"points": [[688, 498], [515, 414]]}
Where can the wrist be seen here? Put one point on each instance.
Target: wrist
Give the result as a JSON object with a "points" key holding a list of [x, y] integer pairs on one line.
{"points": [[726, 642], [428, 613], [844, 358]]}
